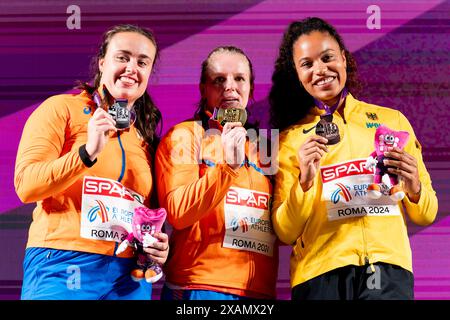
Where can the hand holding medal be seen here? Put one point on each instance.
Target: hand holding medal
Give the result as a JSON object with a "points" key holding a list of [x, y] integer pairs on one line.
{"points": [[224, 115], [309, 155], [230, 121], [314, 147], [123, 116], [107, 119]]}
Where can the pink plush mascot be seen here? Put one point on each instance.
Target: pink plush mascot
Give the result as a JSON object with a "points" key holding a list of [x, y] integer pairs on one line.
{"points": [[144, 224], [385, 139]]}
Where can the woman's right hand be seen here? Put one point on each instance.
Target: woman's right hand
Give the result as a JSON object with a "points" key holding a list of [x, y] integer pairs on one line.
{"points": [[234, 137], [309, 155], [98, 132], [158, 251]]}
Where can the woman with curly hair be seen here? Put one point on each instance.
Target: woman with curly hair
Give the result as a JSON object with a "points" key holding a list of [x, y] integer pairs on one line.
{"points": [[345, 244]]}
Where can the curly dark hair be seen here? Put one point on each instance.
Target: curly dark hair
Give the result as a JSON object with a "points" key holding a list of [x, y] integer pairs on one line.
{"points": [[289, 101], [148, 116]]}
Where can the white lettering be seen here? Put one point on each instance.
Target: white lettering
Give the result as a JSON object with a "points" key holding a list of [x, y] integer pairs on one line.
{"points": [[114, 189], [249, 199], [73, 21], [91, 186], [187, 147], [346, 169], [233, 196], [104, 186], [374, 281], [374, 20], [245, 309], [74, 280], [193, 310]]}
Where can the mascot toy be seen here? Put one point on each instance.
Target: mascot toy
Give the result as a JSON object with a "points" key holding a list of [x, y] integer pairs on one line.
{"points": [[144, 224], [385, 139]]}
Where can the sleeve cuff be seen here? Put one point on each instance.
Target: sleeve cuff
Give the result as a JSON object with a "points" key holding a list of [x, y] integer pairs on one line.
{"points": [[409, 204], [85, 156]]}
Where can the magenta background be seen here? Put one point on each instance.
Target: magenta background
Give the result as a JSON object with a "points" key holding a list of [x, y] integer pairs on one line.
{"points": [[404, 65]]}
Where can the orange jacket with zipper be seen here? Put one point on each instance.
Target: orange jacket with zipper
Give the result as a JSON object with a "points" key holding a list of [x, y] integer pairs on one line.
{"points": [[194, 186], [49, 171]]}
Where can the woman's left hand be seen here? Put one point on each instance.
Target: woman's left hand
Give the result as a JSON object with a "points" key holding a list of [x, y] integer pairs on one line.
{"points": [[405, 166], [159, 250]]}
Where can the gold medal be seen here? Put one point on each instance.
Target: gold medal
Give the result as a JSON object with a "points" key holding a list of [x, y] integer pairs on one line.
{"points": [[230, 115]]}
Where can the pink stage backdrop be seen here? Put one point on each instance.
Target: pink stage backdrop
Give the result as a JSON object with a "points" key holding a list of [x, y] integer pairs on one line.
{"points": [[404, 65]]}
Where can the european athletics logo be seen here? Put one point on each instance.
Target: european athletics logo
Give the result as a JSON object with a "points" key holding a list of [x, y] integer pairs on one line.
{"points": [[236, 223], [341, 191], [101, 210]]}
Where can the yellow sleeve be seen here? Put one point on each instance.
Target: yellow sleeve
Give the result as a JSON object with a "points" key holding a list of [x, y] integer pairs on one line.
{"points": [[291, 207], [424, 212], [186, 195], [41, 171]]}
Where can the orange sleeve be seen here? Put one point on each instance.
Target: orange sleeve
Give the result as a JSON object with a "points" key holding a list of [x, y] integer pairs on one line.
{"points": [[186, 195], [41, 171]]}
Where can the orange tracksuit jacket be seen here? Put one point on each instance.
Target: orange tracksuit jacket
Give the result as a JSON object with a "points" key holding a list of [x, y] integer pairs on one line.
{"points": [[195, 188], [49, 171]]}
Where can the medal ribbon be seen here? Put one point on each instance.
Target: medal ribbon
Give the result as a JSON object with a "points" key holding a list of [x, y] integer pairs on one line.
{"points": [[330, 110]]}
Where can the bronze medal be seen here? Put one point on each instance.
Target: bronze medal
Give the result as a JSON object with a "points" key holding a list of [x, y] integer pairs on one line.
{"points": [[328, 129]]}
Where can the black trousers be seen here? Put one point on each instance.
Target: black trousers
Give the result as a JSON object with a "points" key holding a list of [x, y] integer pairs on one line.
{"points": [[381, 281]]}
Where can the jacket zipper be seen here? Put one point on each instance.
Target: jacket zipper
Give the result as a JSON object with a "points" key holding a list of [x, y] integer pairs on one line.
{"points": [[366, 255], [251, 257], [365, 251]]}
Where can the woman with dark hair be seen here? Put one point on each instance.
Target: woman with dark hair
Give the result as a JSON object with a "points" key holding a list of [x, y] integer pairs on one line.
{"points": [[216, 194], [86, 160], [345, 244]]}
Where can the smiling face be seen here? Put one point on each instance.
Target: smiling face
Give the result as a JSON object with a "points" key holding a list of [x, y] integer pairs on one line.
{"points": [[127, 65], [320, 65], [227, 82]]}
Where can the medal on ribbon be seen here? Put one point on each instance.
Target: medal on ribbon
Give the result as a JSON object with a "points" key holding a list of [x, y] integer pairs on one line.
{"points": [[326, 127], [119, 111]]}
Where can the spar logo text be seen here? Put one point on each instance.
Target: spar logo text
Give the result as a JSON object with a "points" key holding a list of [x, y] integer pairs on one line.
{"points": [[346, 169], [107, 188], [248, 198]]}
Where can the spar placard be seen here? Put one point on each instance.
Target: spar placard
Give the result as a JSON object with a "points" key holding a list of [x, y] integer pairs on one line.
{"points": [[247, 221], [107, 209], [345, 192]]}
